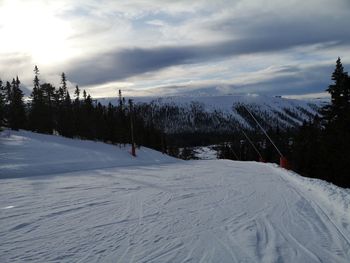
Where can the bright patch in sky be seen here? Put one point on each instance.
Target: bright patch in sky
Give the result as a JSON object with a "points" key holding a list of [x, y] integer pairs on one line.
{"points": [[8, 207], [32, 29]]}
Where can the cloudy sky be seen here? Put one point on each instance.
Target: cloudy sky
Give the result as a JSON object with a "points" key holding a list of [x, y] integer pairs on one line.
{"points": [[165, 47]]}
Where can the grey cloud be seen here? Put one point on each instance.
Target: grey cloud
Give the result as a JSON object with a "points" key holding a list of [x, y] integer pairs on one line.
{"points": [[253, 27], [256, 32], [14, 64], [288, 31], [298, 81], [15, 60], [304, 80], [126, 63]]}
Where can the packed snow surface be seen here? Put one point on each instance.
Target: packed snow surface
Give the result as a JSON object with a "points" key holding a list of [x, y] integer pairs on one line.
{"points": [[64, 200], [26, 154]]}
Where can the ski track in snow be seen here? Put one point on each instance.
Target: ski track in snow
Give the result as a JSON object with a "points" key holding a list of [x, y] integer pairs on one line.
{"points": [[202, 211], [196, 211]]}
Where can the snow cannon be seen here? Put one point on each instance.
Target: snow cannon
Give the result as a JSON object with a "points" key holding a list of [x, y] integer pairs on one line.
{"points": [[284, 163]]}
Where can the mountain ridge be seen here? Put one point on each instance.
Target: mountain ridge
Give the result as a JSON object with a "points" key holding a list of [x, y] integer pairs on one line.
{"points": [[176, 114]]}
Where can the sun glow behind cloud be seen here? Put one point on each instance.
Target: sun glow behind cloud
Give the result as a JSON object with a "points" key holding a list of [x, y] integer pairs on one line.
{"points": [[33, 29]]}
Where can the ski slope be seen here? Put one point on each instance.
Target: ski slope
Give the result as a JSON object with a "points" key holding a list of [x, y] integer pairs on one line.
{"points": [[158, 209], [225, 102], [222, 114], [26, 154]]}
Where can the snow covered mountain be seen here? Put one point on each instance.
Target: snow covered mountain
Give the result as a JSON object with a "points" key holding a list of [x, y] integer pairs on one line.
{"points": [[65, 200], [223, 113]]}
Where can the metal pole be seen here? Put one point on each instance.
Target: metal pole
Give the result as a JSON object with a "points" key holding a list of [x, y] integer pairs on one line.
{"points": [[252, 144], [279, 152]]}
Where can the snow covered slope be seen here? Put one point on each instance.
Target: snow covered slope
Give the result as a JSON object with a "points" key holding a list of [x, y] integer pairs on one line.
{"points": [[214, 113], [225, 102], [26, 154], [170, 211]]}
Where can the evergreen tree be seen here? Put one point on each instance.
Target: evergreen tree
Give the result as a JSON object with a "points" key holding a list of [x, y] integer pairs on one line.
{"points": [[36, 77], [337, 127], [64, 109], [17, 115], [67, 123], [8, 91], [48, 101], [76, 111], [35, 96], [111, 123], [77, 93], [340, 95], [309, 151], [36, 82], [41, 106], [120, 100], [64, 84], [2, 104], [101, 124], [87, 117], [323, 150]]}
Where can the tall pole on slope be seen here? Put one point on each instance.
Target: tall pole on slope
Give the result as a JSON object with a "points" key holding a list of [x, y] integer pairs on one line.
{"points": [[283, 160], [131, 109], [252, 144]]}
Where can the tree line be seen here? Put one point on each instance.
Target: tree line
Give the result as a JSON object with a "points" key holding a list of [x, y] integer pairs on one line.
{"points": [[322, 145], [320, 148], [51, 110]]}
